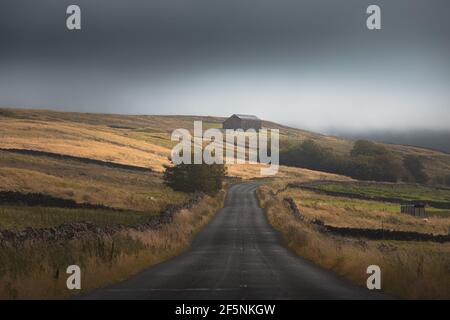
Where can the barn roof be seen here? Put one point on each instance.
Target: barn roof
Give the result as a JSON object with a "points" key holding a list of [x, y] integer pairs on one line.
{"points": [[246, 116]]}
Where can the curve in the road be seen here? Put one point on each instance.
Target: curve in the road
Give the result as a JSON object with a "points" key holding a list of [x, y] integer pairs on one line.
{"points": [[238, 255]]}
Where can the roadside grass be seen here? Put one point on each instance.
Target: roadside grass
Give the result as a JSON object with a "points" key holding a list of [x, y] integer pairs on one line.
{"points": [[411, 270], [37, 270]]}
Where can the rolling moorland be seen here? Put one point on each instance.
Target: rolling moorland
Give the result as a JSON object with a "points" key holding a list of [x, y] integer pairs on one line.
{"points": [[87, 190], [145, 140], [107, 169]]}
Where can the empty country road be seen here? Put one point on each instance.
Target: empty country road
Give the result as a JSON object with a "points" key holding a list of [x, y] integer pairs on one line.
{"points": [[238, 255]]}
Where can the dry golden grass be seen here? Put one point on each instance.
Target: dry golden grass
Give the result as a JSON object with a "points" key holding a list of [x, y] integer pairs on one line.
{"points": [[37, 271], [101, 142], [70, 179], [82, 140], [411, 270]]}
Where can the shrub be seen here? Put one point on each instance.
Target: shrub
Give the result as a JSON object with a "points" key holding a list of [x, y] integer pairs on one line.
{"points": [[415, 168], [367, 148], [378, 168], [367, 160], [206, 178], [308, 155], [443, 180]]}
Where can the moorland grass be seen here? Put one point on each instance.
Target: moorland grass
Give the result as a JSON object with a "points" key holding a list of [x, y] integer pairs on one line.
{"points": [[145, 140], [407, 192], [83, 182], [37, 270], [21, 217]]}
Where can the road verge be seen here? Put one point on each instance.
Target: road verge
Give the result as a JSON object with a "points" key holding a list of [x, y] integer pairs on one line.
{"points": [[411, 270], [36, 268]]}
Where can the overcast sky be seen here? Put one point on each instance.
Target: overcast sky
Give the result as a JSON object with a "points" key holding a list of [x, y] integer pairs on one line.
{"points": [[310, 64]]}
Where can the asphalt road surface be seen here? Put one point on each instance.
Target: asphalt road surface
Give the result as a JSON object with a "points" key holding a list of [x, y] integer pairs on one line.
{"points": [[238, 255]]}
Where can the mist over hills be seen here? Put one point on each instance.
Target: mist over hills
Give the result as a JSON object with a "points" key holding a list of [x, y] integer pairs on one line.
{"points": [[432, 139]]}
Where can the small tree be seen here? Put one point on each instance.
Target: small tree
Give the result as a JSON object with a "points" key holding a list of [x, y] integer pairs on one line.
{"points": [[371, 161], [206, 178]]}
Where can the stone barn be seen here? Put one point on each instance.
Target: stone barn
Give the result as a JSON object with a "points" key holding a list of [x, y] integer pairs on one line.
{"points": [[417, 210], [242, 121]]}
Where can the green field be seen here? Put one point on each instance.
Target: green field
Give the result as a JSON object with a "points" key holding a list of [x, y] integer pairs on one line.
{"points": [[405, 192], [357, 204]]}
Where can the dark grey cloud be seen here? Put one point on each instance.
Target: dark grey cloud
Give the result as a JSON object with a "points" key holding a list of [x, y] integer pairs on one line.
{"points": [[306, 63]]}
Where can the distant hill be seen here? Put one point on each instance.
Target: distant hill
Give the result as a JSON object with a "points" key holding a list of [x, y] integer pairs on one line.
{"points": [[436, 140], [144, 140]]}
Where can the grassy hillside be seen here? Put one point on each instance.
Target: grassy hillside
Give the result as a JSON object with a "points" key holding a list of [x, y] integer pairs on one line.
{"points": [[70, 156], [85, 183], [145, 140]]}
